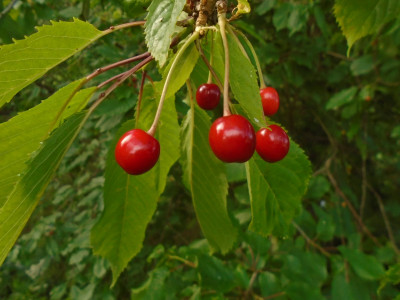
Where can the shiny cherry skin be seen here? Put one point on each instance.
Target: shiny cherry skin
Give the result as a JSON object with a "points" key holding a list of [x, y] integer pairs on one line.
{"points": [[272, 143], [269, 100], [232, 139], [137, 152], [208, 95]]}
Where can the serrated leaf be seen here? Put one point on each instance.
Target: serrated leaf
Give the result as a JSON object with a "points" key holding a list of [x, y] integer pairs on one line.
{"points": [[26, 60], [160, 25], [130, 201], [205, 176], [22, 201], [21, 135], [276, 190], [365, 266], [359, 18], [242, 78]]}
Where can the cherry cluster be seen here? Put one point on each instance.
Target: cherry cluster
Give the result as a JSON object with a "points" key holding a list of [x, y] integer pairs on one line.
{"points": [[232, 137]]}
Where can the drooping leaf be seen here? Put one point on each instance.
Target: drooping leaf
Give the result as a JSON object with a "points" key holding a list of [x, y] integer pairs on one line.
{"points": [[276, 190], [242, 78], [22, 201], [160, 25], [21, 135], [26, 60], [365, 266], [130, 201], [359, 18], [205, 176]]}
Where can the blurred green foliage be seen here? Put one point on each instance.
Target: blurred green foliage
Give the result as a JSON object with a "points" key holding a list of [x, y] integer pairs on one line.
{"points": [[342, 110]]}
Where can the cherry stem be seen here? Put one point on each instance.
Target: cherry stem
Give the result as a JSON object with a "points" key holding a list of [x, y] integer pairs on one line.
{"points": [[222, 24], [117, 64], [211, 58], [123, 26], [178, 56], [140, 98], [210, 68], [253, 52]]}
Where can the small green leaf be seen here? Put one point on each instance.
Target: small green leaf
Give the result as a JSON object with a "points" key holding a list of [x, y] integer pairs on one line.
{"points": [[359, 18], [205, 176], [160, 25], [130, 201], [154, 287], [23, 133], [341, 289], [365, 266], [26, 60], [276, 190], [341, 98], [214, 274], [362, 65], [22, 201]]}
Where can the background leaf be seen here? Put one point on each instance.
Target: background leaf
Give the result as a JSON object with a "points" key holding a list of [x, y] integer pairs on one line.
{"points": [[359, 18], [365, 266], [21, 135], [26, 60], [160, 25], [205, 176], [276, 190]]}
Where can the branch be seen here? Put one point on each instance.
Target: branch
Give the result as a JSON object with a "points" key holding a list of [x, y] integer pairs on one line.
{"points": [[310, 241], [8, 8]]}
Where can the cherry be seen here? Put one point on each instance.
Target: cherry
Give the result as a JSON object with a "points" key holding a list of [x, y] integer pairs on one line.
{"points": [[272, 143], [207, 96], [232, 139], [137, 152], [269, 100]]}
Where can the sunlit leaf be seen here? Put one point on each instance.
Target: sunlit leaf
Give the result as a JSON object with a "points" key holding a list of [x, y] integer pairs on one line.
{"points": [[160, 25], [359, 18], [26, 60], [21, 135]]}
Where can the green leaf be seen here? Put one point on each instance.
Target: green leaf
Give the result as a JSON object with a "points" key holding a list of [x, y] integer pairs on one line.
{"points": [[22, 201], [362, 65], [242, 78], [130, 201], [365, 266], [214, 274], [22, 135], [276, 190], [392, 276], [243, 7], [205, 176], [181, 72], [160, 25], [341, 98], [359, 18], [341, 289], [154, 287], [26, 60]]}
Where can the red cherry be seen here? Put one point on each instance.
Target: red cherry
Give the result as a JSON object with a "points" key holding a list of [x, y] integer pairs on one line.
{"points": [[269, 100], [232, 139], [137, 152], [272, 143], [208, 95]]}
